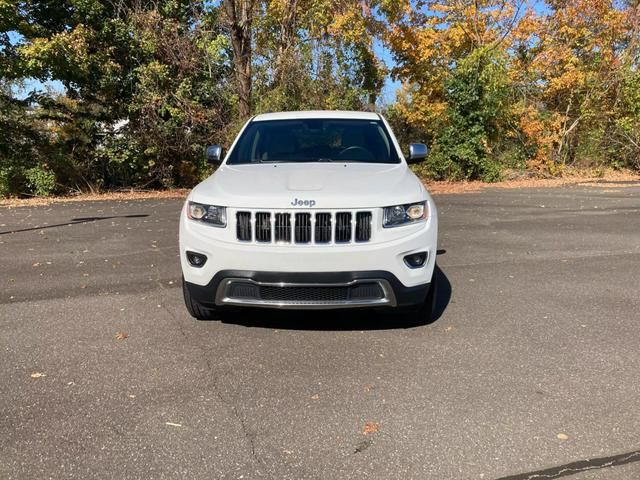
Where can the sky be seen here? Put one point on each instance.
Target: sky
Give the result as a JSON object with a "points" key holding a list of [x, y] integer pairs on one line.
{"points": [[31, 84], [388, 94]]}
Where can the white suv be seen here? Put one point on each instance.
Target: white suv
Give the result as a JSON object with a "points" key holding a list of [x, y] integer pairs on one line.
{"points": [[310, 210]]}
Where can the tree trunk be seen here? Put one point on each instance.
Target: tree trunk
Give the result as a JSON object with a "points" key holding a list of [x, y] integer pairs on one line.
{"points": [[287, 39], [240, 18]]}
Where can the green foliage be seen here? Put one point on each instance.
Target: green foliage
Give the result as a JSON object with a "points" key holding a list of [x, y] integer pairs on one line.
{"points": [[40, 181], [147, 88], [626, 129], [23, 146], [478, 96]]}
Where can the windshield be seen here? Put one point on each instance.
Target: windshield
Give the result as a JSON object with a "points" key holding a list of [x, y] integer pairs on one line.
{"points": [[314, 140]]}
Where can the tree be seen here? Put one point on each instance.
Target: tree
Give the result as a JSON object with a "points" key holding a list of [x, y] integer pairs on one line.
{"points": [[452, 58], [572, 75], [240, 16]]}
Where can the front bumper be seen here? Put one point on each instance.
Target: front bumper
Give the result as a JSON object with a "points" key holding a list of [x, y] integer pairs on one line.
{"points": [[392, 292]]}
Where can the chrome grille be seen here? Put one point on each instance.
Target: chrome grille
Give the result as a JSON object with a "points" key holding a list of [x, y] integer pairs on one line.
{"points": [[304, 227]]}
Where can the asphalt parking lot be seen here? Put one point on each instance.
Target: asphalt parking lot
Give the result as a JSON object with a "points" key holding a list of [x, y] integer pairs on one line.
{"points": [[531, 370]]}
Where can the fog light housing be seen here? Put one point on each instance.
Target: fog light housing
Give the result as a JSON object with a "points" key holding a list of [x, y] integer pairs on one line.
{"points": [[416, 260], [196, 259]]}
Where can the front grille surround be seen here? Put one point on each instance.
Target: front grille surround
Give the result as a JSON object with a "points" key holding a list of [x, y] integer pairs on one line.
{"points": [[304, 227], [356, 293]]}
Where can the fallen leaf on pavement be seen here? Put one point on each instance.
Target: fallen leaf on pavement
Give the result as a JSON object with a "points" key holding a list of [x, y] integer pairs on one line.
{"points": [[370, 427], [121, 335]]}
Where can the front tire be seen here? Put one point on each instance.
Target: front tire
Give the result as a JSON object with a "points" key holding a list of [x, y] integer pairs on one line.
{"points": [[426, 312], [196, 310]]}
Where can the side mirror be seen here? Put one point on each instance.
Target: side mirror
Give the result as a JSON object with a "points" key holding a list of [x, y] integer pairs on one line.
{"points": [[213, 154], [417, 152]]}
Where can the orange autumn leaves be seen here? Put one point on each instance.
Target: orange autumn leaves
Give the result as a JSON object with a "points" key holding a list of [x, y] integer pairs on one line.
{"points": [[568, 62]]}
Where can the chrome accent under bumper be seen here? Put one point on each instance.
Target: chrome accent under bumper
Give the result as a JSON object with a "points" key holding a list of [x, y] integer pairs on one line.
{"points": [[388, 298]]}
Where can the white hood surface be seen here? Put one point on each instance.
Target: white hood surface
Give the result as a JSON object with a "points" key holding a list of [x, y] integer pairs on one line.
{"points": [[329, 185]]}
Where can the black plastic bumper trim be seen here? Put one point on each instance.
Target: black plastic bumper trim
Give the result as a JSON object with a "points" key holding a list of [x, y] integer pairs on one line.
{"points": [[405, 296]]}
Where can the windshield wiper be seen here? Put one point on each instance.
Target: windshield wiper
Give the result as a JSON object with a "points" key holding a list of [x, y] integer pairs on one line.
{"points": [[319, 160], [279, 161], [298, 161]]}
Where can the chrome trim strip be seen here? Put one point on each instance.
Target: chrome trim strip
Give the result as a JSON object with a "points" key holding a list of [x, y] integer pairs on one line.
{"points": [[389, 299]]}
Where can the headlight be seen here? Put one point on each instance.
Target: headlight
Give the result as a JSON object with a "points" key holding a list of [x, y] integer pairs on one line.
{"points": [[404, 214], [211, 214]]}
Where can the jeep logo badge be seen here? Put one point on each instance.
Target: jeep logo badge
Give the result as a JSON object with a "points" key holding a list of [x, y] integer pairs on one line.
{"points": [[303, 203]]}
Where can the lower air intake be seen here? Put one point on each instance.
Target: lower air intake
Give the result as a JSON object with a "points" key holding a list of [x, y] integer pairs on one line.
{"points": [[241, 290]]}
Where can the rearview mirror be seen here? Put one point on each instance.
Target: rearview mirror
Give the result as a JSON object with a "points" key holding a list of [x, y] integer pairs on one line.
{"points": [[417, 152], [213, 154]]}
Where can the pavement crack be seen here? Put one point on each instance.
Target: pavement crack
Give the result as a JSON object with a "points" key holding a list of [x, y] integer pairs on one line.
{"points": [[250, 436], [578, 467]]}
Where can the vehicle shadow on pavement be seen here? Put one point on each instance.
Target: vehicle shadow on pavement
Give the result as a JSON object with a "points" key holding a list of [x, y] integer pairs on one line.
{"points": [[74, 221], [340, 320]]}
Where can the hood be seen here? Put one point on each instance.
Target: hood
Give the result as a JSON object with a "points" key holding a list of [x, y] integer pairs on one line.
{"points": [[310, 185]]}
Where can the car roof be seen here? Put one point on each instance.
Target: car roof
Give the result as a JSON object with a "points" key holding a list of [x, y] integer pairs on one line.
{"points": [[310, 114]]}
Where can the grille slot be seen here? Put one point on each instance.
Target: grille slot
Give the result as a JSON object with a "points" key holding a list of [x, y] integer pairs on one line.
{"points": [[243, 227], [343, 227], [263, 227], [283, 227], [363, 226], [323, 227], [303, 228]]}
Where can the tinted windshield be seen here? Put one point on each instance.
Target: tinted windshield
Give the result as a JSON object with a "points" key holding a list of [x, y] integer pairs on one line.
{"points": [[314, 140]]}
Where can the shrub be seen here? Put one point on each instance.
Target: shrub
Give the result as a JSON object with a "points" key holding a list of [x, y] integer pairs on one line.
{"points": [[40, 181], [478, 98]]}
